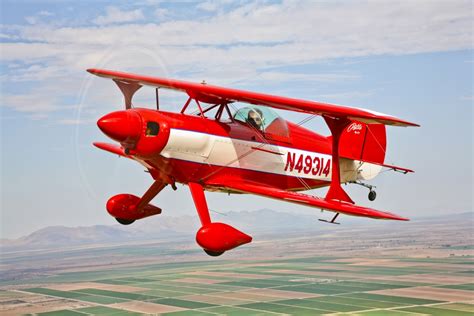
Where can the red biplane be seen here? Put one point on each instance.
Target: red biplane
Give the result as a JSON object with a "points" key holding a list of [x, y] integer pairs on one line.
{"points": [[253, 150]]}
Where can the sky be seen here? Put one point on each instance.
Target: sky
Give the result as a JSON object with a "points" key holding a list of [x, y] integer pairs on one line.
{"points": [[411, 59]]}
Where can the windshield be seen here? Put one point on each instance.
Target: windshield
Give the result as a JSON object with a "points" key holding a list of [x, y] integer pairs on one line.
{"points": [[263, 119]]}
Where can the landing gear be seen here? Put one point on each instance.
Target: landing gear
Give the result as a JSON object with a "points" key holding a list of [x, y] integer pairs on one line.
{"points": [[213, 253], [127, 208], [372, 195], [213, 237], [125, 221]]}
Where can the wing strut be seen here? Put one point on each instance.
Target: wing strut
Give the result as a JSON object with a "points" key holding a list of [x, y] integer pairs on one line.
{"points": [[336, 192], [157, 99], [128, 89]]}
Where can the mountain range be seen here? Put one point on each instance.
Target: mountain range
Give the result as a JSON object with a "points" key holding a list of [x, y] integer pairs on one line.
{"points": [[262, 222]]}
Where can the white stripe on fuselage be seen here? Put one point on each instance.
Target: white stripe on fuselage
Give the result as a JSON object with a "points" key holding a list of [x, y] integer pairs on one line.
{"points": [[236, 153]]}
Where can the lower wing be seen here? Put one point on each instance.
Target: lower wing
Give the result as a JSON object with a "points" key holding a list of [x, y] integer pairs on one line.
{"points": [[304, 199]]}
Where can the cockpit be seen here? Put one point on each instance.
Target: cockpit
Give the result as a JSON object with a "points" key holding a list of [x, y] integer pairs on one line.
{"points": [[265, 120]]}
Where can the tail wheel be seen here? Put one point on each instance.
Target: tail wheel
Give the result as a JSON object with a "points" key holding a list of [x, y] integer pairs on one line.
{"points": [[125, 221], [372, 195], [213, 253]]}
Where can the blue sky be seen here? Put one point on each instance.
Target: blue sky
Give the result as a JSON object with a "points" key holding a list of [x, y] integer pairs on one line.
{"points": [[412, 59]]}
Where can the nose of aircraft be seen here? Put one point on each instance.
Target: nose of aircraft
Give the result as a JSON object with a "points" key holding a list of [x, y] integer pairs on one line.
{"points": [[122, 126]]}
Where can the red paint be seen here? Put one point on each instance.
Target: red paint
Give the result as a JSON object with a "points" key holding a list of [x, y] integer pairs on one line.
{"points": [[375, 144], [122, 126], [221, 237], [151, 146], [124, 206], [200, 201], [336, 192], [396, 168], [266, 150], [112, 148]]}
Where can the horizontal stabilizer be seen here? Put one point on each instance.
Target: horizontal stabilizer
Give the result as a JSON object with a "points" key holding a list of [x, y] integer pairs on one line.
{"points": [[394, 168]]}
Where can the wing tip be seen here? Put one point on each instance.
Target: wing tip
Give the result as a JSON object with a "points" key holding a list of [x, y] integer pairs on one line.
{"points": [[397, 218], [97, 71], [403, 123], [410, 124], [403, 219]]}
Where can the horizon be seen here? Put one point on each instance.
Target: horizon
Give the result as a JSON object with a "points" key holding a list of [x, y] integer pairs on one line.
{"points": [[349, 221]]}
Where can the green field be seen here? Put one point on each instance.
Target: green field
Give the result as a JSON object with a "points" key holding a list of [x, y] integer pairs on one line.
{"points": [[421, 268], [293, 286]]}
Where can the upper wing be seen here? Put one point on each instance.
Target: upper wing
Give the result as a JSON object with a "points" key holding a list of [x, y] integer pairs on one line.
{"points": [[313, 201], [214, 94]]}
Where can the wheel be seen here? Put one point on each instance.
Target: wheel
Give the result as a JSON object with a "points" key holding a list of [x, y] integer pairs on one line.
{"points": [[372, 195], [213, 253], [125, 221]]}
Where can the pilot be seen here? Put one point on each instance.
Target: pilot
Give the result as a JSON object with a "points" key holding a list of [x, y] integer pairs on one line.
{"points": [[255, 119]]}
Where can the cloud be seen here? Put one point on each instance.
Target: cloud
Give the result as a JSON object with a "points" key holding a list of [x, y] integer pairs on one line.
{"points": [[30, 103], [348, 95], [161, 13], [321, 77], [45, 13], [75, 122], [115, 15], [233, 46], [34, 19], [318, 30], [210, 6], [8, 36]]}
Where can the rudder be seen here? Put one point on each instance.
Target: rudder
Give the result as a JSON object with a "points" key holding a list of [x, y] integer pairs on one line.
{"points": [[364, 142]]}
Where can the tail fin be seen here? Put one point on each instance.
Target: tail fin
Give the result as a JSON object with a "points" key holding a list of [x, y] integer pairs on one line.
{"points": [[364, 142]]}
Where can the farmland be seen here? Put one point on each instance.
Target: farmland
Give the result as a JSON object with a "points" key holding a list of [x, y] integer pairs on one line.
{"points": [[376, 273]]}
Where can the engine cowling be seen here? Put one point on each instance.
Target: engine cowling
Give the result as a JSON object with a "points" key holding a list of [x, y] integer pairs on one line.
{"points": [[220, 237], [124, 206], [141, 132], [155, 134]]}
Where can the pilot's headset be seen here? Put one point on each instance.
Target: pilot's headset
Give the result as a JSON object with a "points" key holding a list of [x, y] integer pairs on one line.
{"points": [[260, 115]]}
